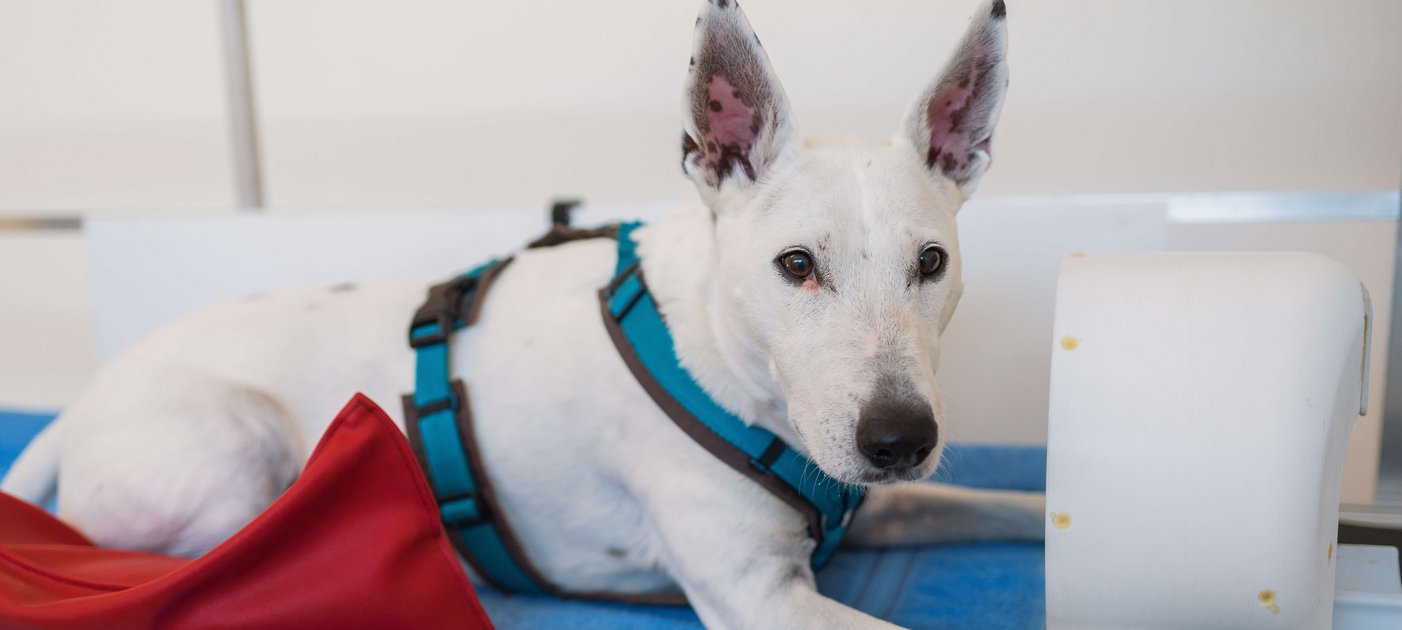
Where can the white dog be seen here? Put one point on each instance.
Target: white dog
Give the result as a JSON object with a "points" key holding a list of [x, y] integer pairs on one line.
{"points": [[807, 296]]}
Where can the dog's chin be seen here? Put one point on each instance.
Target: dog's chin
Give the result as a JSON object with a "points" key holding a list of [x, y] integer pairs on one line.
{"points": [[865, 475], [878, 477]]}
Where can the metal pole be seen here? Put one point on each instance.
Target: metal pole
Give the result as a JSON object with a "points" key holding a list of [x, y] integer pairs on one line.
{"points": [[58, 223], [1390, 459], [243, 123]]}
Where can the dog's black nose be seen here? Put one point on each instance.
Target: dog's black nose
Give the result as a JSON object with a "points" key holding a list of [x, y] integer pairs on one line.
{"points": [[896, 434]]}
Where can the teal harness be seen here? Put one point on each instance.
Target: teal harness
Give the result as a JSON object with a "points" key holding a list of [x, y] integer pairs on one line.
{"points": [[439, 421]]}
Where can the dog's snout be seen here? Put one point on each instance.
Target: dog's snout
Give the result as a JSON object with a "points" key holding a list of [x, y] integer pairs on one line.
{"points": [[896, 435]]}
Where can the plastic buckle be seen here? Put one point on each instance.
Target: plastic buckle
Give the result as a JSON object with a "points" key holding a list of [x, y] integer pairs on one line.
{"points": [[770, 455], [449, 402], [478, 506], [612, 287], [443, 307], [439, 336]]}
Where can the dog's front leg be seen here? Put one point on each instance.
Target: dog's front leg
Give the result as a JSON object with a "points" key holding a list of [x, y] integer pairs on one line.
{"points": [[924, 513], [741, 570]]}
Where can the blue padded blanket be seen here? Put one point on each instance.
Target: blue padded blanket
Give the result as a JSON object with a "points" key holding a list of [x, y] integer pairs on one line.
{"points": [[987, 586], [16, 429]]}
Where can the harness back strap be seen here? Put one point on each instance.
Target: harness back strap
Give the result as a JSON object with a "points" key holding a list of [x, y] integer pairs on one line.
{"points": [[643, 340], [438, 420]]}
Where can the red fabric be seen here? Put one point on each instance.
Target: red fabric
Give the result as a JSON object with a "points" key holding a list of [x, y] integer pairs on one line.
{"points": [[354, 543]]}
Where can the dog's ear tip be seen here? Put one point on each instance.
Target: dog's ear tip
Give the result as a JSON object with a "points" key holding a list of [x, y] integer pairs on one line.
{"points": [[1000, 10]]}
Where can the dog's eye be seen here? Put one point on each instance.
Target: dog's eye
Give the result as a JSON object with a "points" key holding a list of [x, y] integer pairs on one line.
{"points": [[931, 261], [797, 263]]}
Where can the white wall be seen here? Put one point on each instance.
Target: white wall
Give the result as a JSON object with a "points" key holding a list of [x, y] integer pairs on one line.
{"points": [[436, 102], [111, 105], [449, 103]]}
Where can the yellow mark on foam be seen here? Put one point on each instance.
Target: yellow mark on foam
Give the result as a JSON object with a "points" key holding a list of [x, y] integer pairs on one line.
{"points": [[1078, 254], [1266, 598], [1061, 520], [1070, 343], [1331, 552]]}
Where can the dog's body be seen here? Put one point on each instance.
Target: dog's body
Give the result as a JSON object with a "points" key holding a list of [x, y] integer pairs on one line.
{"points": [[194, 431]]}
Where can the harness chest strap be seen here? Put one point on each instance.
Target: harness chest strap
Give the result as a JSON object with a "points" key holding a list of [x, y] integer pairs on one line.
{"points": [[643, 341], [438, 421]]}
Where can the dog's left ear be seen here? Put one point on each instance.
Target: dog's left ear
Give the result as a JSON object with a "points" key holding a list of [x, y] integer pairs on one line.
{"points": [[951, 123], [735, 117]]}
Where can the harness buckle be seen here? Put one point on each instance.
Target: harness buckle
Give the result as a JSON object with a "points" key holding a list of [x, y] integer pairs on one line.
{"points": [[449, 402], [474, 513], [443, 307], [612, 287], [771, 454], [432, 339]]}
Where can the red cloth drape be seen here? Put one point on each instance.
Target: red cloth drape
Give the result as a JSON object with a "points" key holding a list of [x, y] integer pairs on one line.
{"points": [[354, 543]]}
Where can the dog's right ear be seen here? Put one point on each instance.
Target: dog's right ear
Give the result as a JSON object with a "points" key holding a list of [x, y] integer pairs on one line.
{"points": [[735, 117]]}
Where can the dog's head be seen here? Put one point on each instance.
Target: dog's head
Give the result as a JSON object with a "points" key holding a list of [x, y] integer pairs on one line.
{"points": [[839, 261]]}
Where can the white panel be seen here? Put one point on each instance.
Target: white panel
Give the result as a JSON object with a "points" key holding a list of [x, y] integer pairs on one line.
{"points": [[47, 350], [149, 270], [1368, 596], [995, 366]]}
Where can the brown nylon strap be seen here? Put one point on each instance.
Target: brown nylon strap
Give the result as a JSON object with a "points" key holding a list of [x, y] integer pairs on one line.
{"points": [[484, 489], [492, 508], [561, 234], [479, 296], [486, 492]]}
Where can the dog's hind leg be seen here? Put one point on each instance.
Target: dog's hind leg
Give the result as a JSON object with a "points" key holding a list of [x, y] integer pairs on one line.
{"points": [[924, 513], [176, 468]]}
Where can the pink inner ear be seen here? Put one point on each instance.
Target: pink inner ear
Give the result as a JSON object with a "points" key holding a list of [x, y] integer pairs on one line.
{"points": [[949, 143], [732, 120], [732, 127], [952, 142]]}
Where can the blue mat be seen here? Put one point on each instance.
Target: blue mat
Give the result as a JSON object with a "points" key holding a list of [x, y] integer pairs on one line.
{"points": [[991, 586], [16, 429]]}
